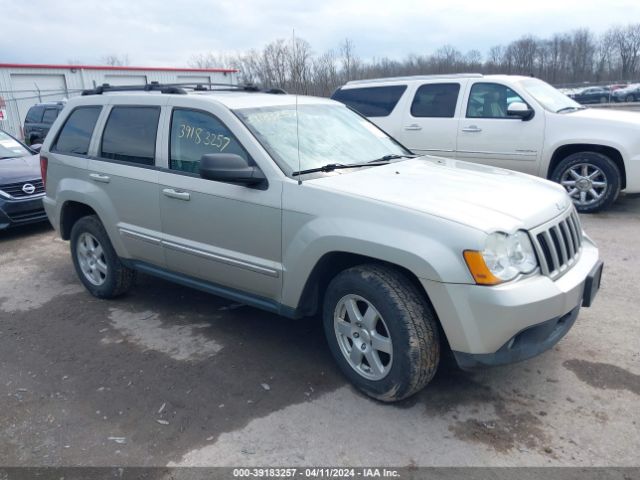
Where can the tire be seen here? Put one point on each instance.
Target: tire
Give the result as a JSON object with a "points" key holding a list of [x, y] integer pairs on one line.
{"points": [[606, 183], [35, 141], [405, 321], [629, 98], [110, 277], [603, 99]]}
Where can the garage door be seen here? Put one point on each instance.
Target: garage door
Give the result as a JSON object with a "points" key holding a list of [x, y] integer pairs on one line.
{"points": [[30, 89], [125, 79]]}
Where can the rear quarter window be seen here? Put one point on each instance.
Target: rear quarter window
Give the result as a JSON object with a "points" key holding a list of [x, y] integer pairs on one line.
{"points": [[371, 101], [75, 135], [34, 115]]}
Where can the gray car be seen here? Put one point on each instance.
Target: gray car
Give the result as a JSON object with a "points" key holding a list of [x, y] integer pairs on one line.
{"points": [[299, 206]]}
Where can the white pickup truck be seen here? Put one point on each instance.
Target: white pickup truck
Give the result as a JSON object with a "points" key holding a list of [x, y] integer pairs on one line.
{"points": [[514, 122]]}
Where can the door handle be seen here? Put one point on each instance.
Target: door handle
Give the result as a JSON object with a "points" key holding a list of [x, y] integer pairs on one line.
{"points": [[413, 126], [472, 129], [177, 194], [96, 177]]}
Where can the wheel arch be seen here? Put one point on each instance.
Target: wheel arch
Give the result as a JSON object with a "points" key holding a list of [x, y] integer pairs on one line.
{"points": [[565, 150], [70, 212], [330, 265]]}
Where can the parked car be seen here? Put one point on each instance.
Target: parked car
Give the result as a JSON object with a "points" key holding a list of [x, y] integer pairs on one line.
{"points": [[300, 205], [514, 122], [21, 187], [592, 95], [38, 121], [630, 93]]}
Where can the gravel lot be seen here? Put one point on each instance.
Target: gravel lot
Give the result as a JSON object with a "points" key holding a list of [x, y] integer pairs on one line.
{"points": [[168, 375]]}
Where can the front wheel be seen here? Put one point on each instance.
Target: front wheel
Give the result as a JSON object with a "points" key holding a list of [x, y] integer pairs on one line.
{"points": [[381, 331], [591, 179]]}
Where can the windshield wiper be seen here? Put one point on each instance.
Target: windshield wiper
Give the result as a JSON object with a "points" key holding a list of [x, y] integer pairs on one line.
{"points": [[330, 167], [570, 109], [392, 156]]}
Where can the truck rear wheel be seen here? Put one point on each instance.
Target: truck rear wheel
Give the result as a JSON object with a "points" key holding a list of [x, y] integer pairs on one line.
{"points": [[591, 179], [381, 331]]}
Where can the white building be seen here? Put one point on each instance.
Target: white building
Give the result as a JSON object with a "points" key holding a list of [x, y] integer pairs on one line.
{"points": [[22, 86]]}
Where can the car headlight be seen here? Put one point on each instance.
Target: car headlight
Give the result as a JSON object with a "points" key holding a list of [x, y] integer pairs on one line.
{"points": [[504, 257]]}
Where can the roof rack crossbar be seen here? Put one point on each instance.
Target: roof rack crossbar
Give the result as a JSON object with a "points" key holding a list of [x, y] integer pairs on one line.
{"points": [[179, 88]]}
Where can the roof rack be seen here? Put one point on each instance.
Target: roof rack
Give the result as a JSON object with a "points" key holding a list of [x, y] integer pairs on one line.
{"points": [[415, 77], [180, 88]]}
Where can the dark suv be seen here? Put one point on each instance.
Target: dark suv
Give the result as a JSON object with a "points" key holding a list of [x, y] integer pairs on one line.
{"points": [[38, 121]]}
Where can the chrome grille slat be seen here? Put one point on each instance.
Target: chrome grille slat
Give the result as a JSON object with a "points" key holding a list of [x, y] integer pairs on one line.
{"points": [[569, 238], [558, 243], [563, 247]]}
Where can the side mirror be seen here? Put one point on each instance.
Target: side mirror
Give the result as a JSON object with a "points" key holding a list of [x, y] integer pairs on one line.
{"points": [[520, 110], [36, 148], [230, 168]]}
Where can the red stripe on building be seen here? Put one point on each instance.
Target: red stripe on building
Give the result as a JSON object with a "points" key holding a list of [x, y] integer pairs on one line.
{"points": [[126, 68]]}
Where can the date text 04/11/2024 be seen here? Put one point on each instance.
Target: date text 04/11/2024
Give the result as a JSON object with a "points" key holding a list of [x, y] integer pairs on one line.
{"points": [[325, 472]]}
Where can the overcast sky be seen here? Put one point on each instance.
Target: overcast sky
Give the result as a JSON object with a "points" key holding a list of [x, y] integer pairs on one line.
{"points": [[169, 33]]}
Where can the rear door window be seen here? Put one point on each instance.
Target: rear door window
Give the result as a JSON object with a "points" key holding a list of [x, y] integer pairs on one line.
{"points": [[75, 135], [34, 115], [371, 101], [130, 135], [50, 114], [436, 100]]}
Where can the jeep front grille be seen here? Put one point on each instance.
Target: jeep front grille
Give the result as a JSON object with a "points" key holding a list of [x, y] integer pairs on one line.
{"points": [[558, 244]]}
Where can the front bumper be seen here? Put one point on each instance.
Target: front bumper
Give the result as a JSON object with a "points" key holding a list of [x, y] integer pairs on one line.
{"points": [[17, 212], [515, 320]]}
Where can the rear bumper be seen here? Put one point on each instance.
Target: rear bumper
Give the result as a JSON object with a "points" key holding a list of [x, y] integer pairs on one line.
{"points": [[21, 212], [516, 320]]}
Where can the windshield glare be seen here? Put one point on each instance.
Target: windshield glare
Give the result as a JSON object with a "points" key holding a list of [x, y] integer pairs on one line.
{"points": [[547, 96], [327, 134], [11, 148]]}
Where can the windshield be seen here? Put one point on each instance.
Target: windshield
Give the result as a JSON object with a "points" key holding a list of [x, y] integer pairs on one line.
{"points": [[547, 96], [11, 148], [328, 134]]}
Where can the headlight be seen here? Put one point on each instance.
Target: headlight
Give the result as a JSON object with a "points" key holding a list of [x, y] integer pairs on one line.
{"points": [[503, 258]]}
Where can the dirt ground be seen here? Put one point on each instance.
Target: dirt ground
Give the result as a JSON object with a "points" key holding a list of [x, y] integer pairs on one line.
{"points": [[172, 376]]}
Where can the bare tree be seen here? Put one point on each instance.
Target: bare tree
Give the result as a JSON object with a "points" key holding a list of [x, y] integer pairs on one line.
{"points": [[114, 60], [564, 58]]}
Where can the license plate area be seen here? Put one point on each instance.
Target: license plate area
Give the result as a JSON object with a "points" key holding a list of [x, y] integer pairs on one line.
{"points": [[592, 285]]}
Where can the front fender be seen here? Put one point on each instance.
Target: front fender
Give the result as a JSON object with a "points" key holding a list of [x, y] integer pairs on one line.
{"points": [[307, 240]]}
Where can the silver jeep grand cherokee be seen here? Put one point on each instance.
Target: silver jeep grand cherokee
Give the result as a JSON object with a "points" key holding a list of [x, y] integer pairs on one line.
{"points": [[301, 206]]}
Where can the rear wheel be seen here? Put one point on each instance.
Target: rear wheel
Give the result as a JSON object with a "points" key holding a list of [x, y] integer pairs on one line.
{"points": [[381, 331], [630, 98], [96, 262], [35, 140], [603, 99], [591, 179]]}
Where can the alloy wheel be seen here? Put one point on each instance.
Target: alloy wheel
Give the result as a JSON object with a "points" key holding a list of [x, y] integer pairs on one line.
{"points": [[363, 337], [585, 183], [91, 259]]}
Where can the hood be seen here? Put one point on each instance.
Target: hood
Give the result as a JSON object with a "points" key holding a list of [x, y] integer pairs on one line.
{"points": [[482, 197], [14, 170], [609, 115]]}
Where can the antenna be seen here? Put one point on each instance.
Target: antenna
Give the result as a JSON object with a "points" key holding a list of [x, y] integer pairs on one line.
{"points": [[293, 52]]}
